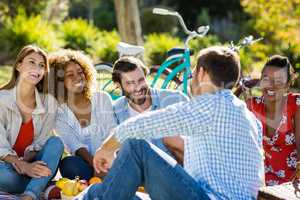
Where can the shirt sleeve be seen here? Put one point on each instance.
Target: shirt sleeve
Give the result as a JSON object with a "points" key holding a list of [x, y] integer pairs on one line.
{"points": [[107, 114], [177, 119], [168, 97], [5, 146]]}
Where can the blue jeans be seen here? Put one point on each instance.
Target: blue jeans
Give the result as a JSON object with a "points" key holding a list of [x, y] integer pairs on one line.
{"points": [[139, 163], [73, 166], [160, 144], [14, 183]]}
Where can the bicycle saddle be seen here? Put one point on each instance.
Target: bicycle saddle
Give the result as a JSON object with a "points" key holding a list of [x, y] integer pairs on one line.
{"points": [[128, 49], [175, 51]]}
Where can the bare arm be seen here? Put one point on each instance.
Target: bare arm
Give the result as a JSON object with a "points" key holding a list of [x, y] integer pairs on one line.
{"points": [[175, 144], [85, 155]]}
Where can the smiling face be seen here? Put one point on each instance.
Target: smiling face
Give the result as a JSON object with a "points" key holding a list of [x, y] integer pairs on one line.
{"points": [[74, 79], [274, 82], [134, 86], [32, 68]]}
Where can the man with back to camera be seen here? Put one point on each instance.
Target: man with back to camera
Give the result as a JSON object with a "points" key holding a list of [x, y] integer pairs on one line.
{"points": [[223, 156]]}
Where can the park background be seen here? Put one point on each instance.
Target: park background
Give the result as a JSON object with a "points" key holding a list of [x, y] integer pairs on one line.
{"points": [[96, 26]]}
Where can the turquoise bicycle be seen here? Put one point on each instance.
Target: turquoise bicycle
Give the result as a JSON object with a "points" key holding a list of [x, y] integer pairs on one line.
{"points": [[180, 57]]}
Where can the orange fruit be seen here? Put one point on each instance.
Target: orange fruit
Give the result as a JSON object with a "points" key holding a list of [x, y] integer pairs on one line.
{"points": [[141, 189], [95, 180]]}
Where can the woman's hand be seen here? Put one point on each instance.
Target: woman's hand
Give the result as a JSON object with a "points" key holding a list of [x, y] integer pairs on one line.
{"points": [[30, 155], [36, 169]]}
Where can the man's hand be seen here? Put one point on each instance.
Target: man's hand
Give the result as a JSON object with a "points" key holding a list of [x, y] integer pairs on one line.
{"points": [[104, 156], [103, 160]]}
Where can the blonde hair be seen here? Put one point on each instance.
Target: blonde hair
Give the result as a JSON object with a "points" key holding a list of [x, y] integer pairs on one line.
{"points": [[42, 86], [58, 62]]}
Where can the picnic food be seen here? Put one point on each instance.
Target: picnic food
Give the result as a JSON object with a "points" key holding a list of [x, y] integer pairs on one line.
{"points": [[70, 188], [60, 183], [82, 184], [94, 180], [52, 192], [141, 189]]}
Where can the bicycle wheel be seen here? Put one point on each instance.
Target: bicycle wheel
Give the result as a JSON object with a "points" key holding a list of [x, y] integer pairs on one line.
{"points": [[104, 71]]}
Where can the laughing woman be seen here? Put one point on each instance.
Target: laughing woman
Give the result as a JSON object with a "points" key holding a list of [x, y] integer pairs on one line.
{"points": [[28, 156], [84, 117], [279, 112]]}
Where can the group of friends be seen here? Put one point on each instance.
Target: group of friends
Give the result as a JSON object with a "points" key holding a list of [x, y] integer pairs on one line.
{"points": [[211, 145]]}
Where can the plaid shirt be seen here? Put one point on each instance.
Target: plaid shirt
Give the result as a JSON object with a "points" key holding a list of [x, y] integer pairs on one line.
{"points": [[223, 150]]}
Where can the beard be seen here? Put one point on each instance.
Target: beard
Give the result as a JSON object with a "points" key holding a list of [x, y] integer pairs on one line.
{"points": [[138, 101]]}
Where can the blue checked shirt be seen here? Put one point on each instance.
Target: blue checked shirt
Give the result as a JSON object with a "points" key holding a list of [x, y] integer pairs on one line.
{"points": [[223, 152]]}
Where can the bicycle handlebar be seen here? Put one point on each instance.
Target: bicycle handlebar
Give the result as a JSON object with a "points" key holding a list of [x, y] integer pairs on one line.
{"points": [[201, 31], [247, 41]]}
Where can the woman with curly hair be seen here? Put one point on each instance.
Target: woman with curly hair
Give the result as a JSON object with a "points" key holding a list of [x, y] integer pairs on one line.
{"points": [[279, 112], [84, 117]]}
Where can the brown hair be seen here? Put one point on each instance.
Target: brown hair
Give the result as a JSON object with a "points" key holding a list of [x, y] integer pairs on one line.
{"points": [[58, 62], [42, 86], [126, 64], [222, 64]]}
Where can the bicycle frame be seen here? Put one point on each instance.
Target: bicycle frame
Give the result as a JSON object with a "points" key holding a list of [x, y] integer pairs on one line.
{"points": [[184, 67]]}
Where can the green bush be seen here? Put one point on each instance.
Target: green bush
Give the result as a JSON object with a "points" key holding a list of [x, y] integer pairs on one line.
{"points": [[22, 30], [78, 34], [199, 43], [157, 45], [252, 57], [106, 49]]}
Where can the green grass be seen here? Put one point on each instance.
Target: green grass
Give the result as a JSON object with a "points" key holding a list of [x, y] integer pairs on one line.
{"points": [[5, 74]]}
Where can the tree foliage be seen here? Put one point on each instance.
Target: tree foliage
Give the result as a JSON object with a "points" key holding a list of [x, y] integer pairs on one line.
{"points": [[279, 23]]}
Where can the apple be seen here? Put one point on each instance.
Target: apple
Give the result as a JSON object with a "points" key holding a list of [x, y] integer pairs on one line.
{"points": [[82, 184]]}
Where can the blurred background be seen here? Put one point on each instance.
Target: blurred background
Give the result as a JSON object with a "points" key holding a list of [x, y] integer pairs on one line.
{"points": [[96, 26]]}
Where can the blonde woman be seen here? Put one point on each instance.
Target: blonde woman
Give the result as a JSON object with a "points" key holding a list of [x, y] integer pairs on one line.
{"points": [[84, 117], [28, 156]]}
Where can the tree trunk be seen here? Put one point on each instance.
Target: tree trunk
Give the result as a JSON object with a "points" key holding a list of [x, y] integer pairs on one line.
{"points": [[128, 19]]}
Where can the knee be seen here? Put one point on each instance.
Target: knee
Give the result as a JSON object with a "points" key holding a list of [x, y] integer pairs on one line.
{"points": [[67, 163], [134, 145], [56, 145]]}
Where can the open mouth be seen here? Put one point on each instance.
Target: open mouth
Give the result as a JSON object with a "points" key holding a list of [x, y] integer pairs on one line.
{"points": [[138, 93], [270, 92], [78, 84], [34, 75]]}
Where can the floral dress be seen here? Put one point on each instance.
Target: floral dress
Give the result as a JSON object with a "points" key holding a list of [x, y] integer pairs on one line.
{"points": [[280, 148]]}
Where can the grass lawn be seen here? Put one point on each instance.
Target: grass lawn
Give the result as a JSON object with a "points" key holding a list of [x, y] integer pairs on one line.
{"points": [[5, 74]]}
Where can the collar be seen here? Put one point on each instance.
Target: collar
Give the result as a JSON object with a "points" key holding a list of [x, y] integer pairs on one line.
{"points": [[9, 99]]}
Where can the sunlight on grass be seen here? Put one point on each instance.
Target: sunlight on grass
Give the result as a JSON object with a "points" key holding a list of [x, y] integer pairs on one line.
{"points": [[5, 74]]}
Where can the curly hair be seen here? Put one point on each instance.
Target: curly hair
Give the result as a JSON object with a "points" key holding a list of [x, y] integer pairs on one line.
{"points": [[58, 62]]}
